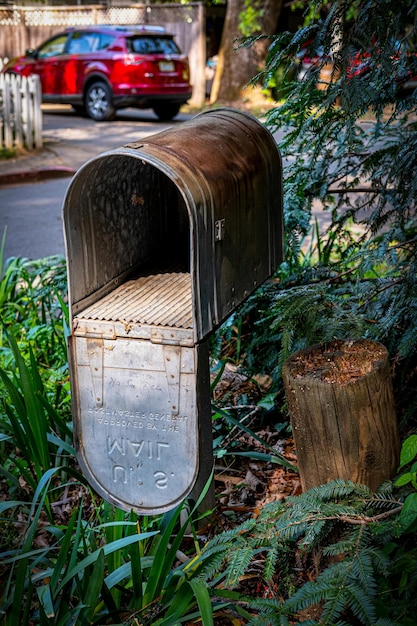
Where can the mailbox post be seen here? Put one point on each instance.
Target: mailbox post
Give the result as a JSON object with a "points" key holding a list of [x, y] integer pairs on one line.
{"points": [[164, 239]]}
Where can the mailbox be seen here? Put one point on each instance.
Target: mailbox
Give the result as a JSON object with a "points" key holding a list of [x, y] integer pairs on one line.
{"points": [[164, 239]]}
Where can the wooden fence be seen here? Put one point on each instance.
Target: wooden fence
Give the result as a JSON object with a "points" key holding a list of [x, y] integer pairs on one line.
{"points": [[20, 112]]}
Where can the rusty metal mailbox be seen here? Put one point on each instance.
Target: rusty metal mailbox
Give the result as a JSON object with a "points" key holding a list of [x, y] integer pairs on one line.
{"points": [[165, 238]]}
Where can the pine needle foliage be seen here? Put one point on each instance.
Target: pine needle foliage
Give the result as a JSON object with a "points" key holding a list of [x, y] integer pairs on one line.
{"points": [[326, 558], [348, 135]]}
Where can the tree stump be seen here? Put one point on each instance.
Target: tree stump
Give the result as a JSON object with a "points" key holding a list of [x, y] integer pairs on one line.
{"points": [[341, 404]]}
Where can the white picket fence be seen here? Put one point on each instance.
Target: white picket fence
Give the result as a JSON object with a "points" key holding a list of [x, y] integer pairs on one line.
{"points": [[20, 112]]}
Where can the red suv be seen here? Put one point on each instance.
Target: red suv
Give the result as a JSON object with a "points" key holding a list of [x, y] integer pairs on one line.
{"points": [[100, 69]]}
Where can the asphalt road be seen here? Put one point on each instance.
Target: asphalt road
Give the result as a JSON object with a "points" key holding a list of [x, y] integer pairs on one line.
{"points": [[32, 215], [31, 212]]}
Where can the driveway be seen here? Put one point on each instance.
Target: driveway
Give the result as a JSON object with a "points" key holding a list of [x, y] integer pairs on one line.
{"points": [[31, 201]]}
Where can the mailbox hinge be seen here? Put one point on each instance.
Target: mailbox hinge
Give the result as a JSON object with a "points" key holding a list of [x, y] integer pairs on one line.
{"points": [[172, 358], [95, 349]]}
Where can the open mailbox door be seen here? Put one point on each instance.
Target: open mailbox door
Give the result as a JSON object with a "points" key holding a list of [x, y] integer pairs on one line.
{"points": [[164, 239]]}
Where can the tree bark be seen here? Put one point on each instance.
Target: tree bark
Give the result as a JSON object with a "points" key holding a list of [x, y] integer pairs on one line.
{"points": [[235, 68], [342, 412]]}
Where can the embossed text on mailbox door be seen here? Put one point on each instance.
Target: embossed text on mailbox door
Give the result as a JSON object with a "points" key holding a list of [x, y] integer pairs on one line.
{"points": [[137, 420]]}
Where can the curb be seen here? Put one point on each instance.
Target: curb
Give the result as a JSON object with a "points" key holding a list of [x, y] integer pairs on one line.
{"points": [[31, 176]]}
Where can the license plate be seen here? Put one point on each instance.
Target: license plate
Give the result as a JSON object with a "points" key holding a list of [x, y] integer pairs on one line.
{"points": [[166, 66]]}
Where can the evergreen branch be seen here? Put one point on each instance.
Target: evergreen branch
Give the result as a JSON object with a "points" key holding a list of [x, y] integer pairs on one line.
{"points": [[360, 519], [389, 285]]}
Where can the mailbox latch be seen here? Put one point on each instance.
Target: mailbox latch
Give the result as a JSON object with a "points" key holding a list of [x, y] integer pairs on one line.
{"points": [[219, 230]]}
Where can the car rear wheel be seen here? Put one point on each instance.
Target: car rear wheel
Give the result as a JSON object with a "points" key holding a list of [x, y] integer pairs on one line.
{"points": [[166, 111], [98, 102]]}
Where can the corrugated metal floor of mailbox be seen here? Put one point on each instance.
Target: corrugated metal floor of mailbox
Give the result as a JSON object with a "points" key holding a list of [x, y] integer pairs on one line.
{"points": [[165, 238]]}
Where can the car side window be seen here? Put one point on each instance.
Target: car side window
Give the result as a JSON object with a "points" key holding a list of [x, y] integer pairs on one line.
{"points": [[105, 41], [80, 43], [53, 47]]}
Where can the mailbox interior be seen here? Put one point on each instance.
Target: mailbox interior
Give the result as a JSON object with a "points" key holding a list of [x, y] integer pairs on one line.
{"points": [[128, 220]]}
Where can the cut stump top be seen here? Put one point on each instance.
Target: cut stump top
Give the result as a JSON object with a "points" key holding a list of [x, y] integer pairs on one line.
{"points": [[338, 362]]}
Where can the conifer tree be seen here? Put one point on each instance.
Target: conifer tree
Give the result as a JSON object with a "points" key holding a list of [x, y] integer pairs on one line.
{"points": [[349, 140]]}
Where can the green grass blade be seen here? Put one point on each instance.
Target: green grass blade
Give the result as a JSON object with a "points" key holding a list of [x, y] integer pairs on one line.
{"points": [[22, 595], [25, 473], [60, 444], [263, 456], [108, 549], [2, 246], [178, 605], [16, 556], [63, 555], [247, 430], [122, 524], [42, 487], [218, 376], [23, 589], [24, 435], [76, 542], [65, 314], [125, 571], [71, 543], [28, 465], [136, 573], [113, 533], [11, 504], [162, 563], [10, 477], [55, 418], [94, 585], [203, 600], [45, 600], [27, 405]]}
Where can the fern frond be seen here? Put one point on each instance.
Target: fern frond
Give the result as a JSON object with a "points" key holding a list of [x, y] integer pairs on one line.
{"points": [[238, 562], [213, 563], [362, 571], [360, 603], [335, 604], [268, 613], [314, 534], [339, 489], [343, 546], [319, 590], [234, 534], [270, 563]]}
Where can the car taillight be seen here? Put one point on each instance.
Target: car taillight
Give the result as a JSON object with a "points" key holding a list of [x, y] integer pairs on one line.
{"points": [[185, 72], [132, 59]]}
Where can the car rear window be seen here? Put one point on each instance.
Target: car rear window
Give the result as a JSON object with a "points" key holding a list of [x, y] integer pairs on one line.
{"points": [[152, 45]]}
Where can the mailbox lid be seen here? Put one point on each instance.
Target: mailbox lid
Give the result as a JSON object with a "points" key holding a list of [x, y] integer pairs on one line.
{"points": [[205, 195], [228, 168]]}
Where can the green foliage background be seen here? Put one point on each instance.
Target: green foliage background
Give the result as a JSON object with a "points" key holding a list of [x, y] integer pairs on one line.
{"points": [[348, 141]]}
